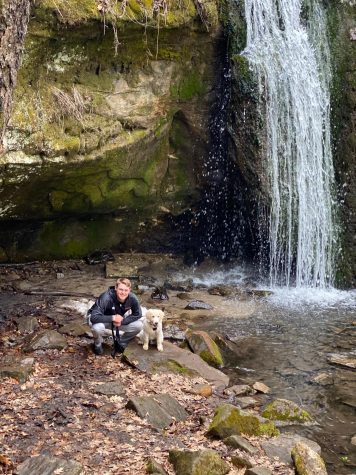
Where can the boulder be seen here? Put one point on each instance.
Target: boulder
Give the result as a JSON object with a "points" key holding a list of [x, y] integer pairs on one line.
{"points": [[239, 390], [229, 420], [245, 402], [201, 344], [282, 446], [347, 360], [111, 388], [17, 369], [286, 411], [307, 461], [46, 340], [154, 467], [173, 360], [75, 328], [198, 305], [238, 442], [261, 387], [200, 462], [259, 471], [241, 461], [49, 464], [159, 410], [27, 324]]}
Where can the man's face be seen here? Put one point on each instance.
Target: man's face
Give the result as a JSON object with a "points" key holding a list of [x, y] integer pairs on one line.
{"points": [[122, 291]]}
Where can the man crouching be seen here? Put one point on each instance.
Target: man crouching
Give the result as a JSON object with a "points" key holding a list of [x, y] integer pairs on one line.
{"points": [[118, 307]]}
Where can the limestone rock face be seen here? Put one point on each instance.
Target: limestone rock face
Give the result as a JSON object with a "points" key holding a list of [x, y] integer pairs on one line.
{"points": [[97, 135]]}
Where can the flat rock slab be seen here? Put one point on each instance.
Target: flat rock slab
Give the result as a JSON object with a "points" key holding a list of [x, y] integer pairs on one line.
{"points": [[198, 305], [282, 446], [173, 360], [343, 359], [136, 265], [159, 410], [19, 370], [111, 388], [44, 465], [76, 328], [46, 340]]}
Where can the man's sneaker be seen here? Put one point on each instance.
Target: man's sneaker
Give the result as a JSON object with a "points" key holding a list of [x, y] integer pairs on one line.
{"points": [[98, 349]]}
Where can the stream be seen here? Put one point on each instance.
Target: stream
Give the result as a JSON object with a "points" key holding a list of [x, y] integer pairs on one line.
{"points": [[287, 342]]}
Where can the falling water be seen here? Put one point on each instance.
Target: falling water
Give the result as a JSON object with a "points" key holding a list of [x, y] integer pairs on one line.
{"points": [[290, 59]]}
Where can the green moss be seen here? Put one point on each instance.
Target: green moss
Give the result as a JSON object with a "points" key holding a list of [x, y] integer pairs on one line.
{"points": [[174, 367], [229, 421], [283, 410], [190, 86]]}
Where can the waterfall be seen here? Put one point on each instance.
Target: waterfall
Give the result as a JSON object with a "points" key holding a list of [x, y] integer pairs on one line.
{"points": [[290, 59]]}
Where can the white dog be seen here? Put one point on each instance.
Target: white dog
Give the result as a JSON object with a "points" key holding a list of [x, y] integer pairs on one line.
{"points": [[152, 328]]}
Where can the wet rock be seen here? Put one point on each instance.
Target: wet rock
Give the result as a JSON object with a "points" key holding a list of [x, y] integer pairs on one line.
{"points": [[173, 332], [261, 387], [184, 286], [245, 402], [282, 446], [75, 328], [307, 461], [173, 360], [154, 467], [241, 461], [343, 359], [159, 293], [222, 290], [197, 463], [49, 464], [159, 410], [204, 346], [323, 379], [239, 390], [284, 410], [238, 442], [99, 257], [229, 349], [259, 471], [17, 369], [259, 293], [184, 296], [27, 324], [46, 340], [111, 388], [229, 420], [198, 305]]}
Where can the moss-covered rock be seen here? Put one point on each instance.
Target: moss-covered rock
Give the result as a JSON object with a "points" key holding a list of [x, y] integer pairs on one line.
{"points": [[307, 461], [202, 462], [284, 410], [228, 420], [203, 345]]}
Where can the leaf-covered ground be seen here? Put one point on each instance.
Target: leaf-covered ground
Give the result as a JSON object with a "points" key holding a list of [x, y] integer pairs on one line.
{"points": [[57, 411]]}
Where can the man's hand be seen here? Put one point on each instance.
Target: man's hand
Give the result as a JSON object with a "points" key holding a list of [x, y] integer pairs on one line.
{"points": [[117, 319]]}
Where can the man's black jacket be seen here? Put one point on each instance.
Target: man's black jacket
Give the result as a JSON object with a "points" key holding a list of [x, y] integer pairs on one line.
{"points": [[108, 305]]}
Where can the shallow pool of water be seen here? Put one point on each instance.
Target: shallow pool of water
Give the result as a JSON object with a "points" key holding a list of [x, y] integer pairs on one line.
{"points": [[287, 342]]}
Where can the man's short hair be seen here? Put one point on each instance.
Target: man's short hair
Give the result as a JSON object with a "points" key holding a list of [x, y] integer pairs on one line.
{"points": [[126, 282]]}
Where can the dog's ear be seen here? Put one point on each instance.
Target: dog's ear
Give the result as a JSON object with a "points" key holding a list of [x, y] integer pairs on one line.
{"points": [[162, 308], [148, 313]]}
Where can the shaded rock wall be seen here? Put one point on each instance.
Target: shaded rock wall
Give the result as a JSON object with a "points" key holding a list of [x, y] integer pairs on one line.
{"points": [[104, 148], [342, 33]]}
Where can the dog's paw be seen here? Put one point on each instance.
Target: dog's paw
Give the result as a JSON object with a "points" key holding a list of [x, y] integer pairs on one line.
{"points": [[145, 347], [160, 348]]}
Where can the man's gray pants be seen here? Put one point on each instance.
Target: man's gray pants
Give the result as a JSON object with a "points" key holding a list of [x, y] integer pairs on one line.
{"points": [[127, 332]]}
